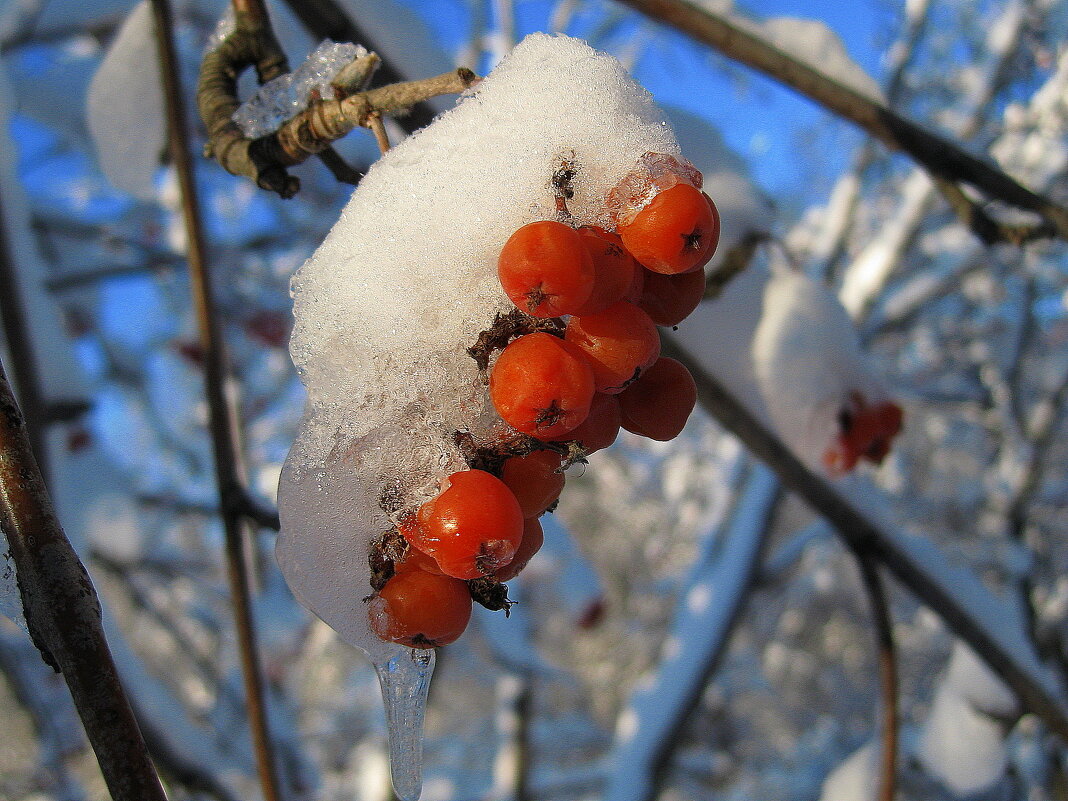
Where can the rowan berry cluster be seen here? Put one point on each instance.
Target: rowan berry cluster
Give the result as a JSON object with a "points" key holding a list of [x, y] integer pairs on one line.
{"points": [[579, 359]]}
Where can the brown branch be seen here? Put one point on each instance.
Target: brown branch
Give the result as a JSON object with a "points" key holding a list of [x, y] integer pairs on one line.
{"points": [[312, 131], [63, 613], [940, 156], [884, 638], [989, 230], [326, 19], [860, 532], [222, 413]]}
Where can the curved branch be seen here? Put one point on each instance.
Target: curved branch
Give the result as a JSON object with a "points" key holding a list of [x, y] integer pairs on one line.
{"points": [[941, 157], [956, 596], [63, 613], [884, 637], [222, 413]]}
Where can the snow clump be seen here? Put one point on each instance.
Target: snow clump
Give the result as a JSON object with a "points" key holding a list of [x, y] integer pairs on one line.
{"points": [[387, 306]]}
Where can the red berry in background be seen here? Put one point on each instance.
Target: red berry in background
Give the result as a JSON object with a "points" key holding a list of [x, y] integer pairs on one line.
{"points": [[533, 539], [534, 480], [659, 403], [542, 385], [618, 343], [546, 270], [601, 427], [675, 233], [866, 432], [471, 528], [613, 269], [420, 609], [670, 299]]}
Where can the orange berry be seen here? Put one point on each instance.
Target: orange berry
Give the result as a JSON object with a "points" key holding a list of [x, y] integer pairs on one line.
{"points": [[542, 385], [472, 527], [546, 270], [420, 609], [601, 427], [613, 269], [675, 233], [618, 343], [659, 403], [533, 539], [534, 479], [670, 299]]}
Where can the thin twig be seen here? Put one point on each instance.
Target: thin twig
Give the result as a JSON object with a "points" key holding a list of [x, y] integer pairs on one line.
{"points": [[223, 438], [884, 637], [940, 156], [265, 160], [63, 613], [326, 19], [378, 128]]}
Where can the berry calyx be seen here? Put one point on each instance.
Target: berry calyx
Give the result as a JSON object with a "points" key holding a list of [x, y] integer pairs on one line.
{"points": [[675, 233], [534, 479], [542, 385], [618, 342], [471, 528], [659, 403], [420, 609], [546, 270]]}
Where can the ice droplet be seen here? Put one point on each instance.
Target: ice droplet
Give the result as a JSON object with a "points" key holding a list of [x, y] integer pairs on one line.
{"points": [[405, 682]]}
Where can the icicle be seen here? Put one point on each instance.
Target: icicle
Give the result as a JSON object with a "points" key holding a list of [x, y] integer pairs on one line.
{"points": [[405, 682]]}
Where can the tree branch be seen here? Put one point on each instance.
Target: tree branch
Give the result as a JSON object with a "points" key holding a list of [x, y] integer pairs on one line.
{"points": [[63, 613], [222, 413], [962, 607], [884, 638], [941, 157], [265, 160]]}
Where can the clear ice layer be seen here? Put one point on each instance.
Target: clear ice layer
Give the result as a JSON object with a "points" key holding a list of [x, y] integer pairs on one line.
{"points": [[288, 95], [387, 306]]}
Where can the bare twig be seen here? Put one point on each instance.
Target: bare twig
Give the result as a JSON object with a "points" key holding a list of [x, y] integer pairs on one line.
{"points": [[227, 469], [859, 531], [326, 19], [265, 160], [884, 637], [63, 613], [941, 157]]}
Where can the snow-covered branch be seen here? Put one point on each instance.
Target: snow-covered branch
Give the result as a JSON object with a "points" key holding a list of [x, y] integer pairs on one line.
{"points": [[988, 625]]}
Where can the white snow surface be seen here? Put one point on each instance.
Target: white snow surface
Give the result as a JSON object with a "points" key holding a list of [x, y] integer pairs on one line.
{"points": [[784, 346], [406, 280], [125, 107], [963, 742], [855, 778], [807, 361], [813, 43]]}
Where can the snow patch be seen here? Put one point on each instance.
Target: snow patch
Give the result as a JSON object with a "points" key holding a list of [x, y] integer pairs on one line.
{"points": [[125, 107]]}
